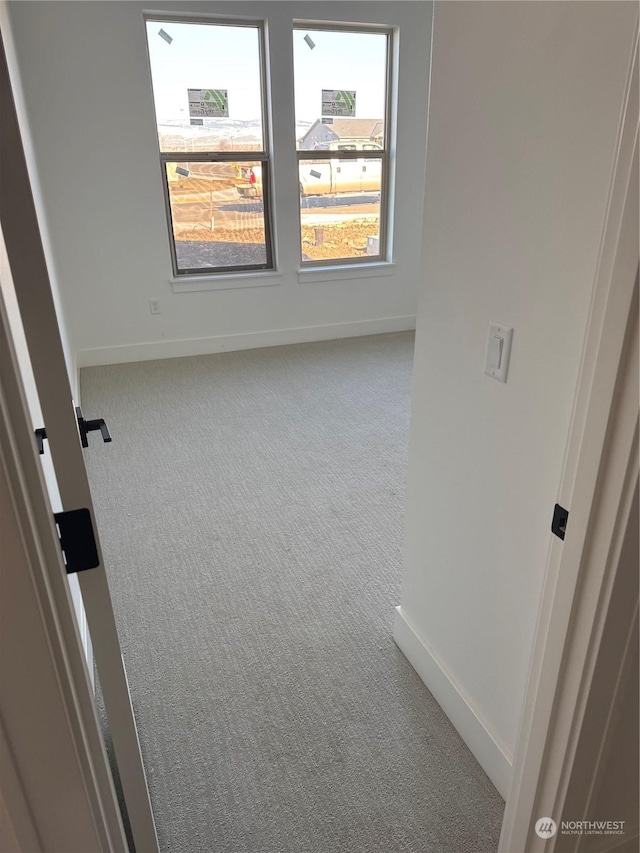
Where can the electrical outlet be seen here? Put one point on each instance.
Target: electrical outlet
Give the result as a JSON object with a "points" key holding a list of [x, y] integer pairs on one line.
{"points": [[154, 306]]}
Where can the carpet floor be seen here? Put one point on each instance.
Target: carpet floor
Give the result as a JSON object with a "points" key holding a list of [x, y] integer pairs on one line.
{"points": [[251, 514]]}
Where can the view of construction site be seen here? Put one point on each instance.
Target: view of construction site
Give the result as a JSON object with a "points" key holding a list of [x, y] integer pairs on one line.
{"points": [[217, 210], [221, 208]]}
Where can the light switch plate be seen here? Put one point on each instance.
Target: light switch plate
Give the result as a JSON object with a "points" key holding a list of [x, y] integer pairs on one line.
{"points": [[504, 333]]}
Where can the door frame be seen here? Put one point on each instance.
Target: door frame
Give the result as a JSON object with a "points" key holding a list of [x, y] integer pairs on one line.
{"points": [[29, 270], [50, 606], [598, 485]]}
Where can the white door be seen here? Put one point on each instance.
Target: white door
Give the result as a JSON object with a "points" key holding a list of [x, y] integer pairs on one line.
{"points": [[26, 260]]}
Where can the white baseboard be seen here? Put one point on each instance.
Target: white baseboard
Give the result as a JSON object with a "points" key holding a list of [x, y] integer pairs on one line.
{"points": [[248, 340], [492, 756]]}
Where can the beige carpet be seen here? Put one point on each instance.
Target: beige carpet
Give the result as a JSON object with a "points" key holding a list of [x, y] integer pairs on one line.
{"points": [[251, 512]]}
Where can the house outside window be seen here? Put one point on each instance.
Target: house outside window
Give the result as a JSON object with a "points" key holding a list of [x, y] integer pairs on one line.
{"points": [[354, 132]]}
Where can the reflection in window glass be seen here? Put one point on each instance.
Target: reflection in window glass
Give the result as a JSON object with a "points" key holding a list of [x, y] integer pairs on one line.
{"points": [[206, 86], [217, 215], [340, 209]]}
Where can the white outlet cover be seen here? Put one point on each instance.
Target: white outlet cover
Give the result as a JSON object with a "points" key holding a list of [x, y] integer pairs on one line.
{"points": [[504, 333]]}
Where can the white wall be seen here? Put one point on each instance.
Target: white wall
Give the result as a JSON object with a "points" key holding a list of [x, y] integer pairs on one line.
{"points": [[87, 89], [525, 105]]}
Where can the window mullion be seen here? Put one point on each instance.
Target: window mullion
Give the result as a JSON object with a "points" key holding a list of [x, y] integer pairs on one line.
{"points": [[337, 154], [212, 156]]}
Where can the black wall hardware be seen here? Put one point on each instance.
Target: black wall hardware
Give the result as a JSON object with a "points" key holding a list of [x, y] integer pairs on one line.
{"points": [[41, 434], [560, 519], [83, 425], [77, 540], [89, 426]]}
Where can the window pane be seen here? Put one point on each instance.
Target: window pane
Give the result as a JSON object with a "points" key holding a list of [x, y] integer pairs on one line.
{"points": [[340, 208], [340, 89], [206, 86], [217, 215]]}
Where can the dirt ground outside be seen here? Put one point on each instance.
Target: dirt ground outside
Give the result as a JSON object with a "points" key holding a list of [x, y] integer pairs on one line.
{"points": [[339, 240], [346, 239], [212, 211]]}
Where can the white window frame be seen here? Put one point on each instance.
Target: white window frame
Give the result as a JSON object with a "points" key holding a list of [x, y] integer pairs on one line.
{"points": [[264, 157], [313, 270], [384, 157]]}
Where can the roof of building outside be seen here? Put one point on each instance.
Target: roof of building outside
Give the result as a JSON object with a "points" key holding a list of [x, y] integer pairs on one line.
{"points": [[352, 128]]}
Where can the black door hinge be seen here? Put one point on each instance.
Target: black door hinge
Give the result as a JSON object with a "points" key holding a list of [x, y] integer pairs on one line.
{"points": [[77, 539], [560, 519]]}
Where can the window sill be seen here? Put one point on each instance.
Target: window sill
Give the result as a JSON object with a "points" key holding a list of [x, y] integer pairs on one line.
{"points": [[311, 275], [187, 283]]}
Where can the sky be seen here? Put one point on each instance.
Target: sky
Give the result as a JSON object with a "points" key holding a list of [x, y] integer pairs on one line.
{"points": [[227, 57]]}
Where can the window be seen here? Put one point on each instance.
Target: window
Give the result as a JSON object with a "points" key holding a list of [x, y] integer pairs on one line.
{"points": [[208, 79], [208, 88], [341, 81]]}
